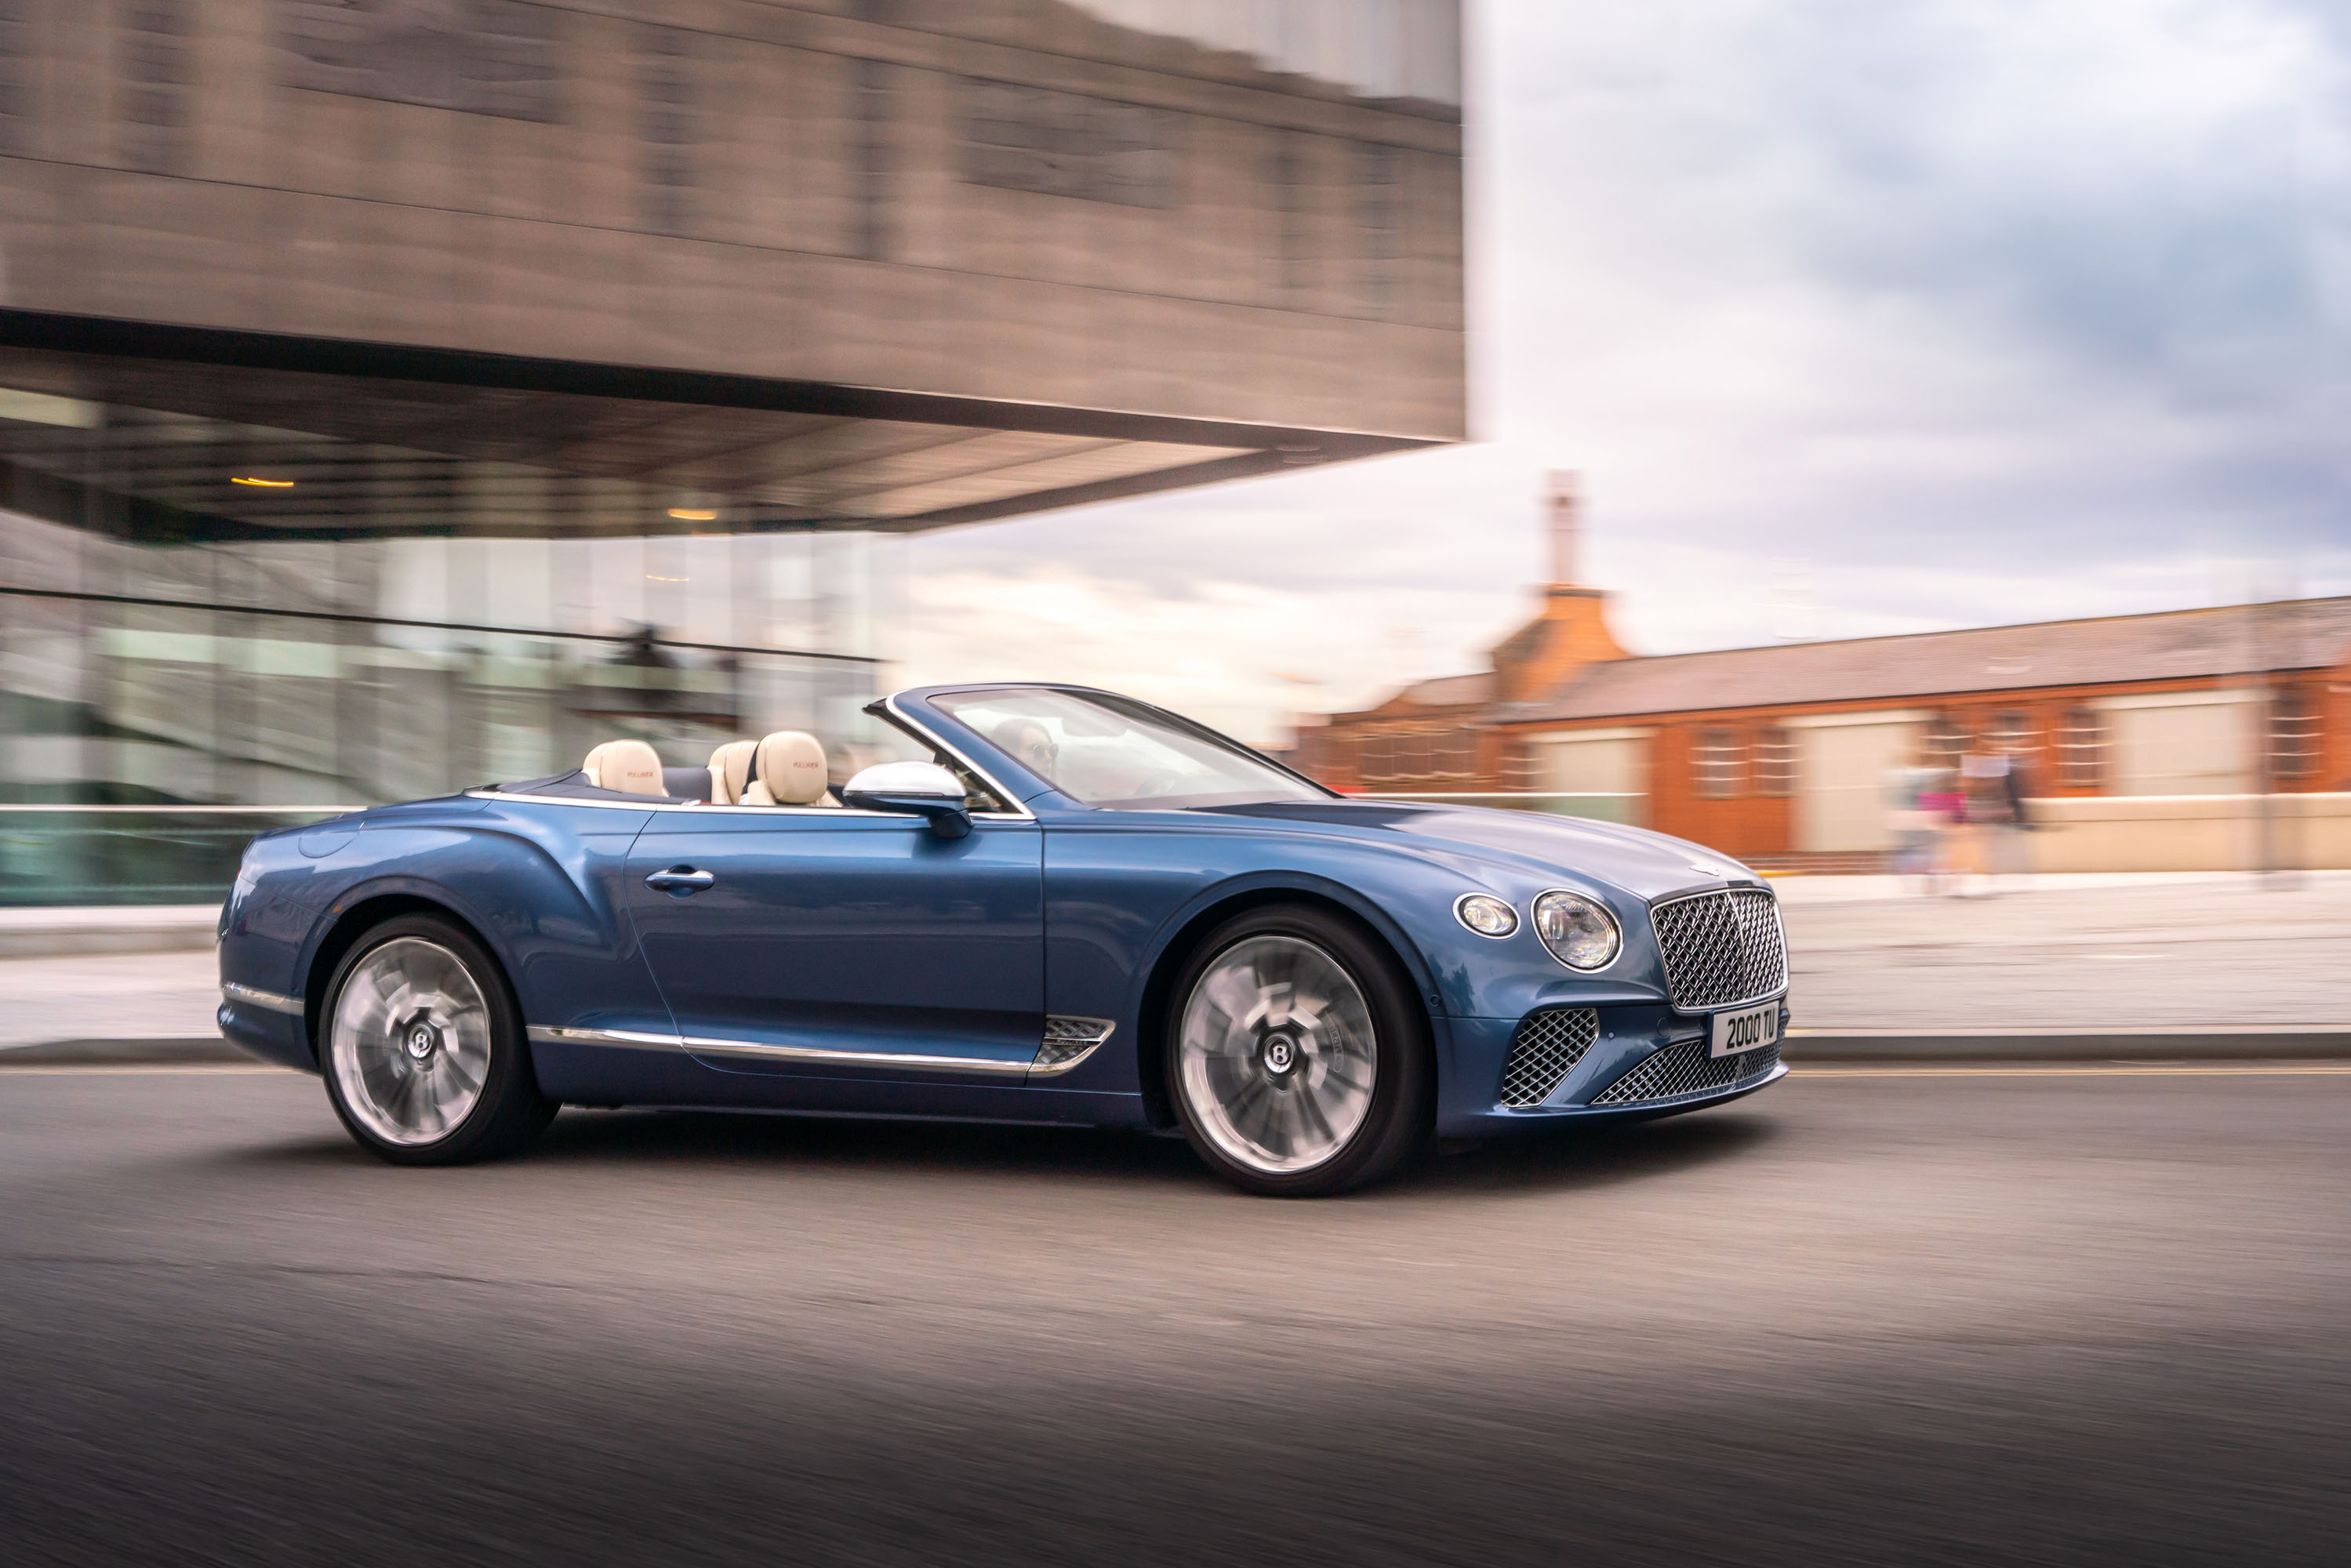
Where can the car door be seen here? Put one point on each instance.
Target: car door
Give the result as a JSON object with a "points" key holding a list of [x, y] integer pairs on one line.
{"points": [[838, 943]]}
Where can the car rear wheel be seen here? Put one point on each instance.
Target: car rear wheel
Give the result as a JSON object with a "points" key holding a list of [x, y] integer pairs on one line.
{"points": [[1297, 1058], [424, 1050]]}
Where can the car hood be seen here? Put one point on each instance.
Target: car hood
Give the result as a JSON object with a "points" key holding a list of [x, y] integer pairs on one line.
{"points": [[1644, 863]]}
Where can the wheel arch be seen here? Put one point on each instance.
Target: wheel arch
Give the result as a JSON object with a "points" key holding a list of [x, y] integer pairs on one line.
{"points": [[362, 915], [1191, 928]]}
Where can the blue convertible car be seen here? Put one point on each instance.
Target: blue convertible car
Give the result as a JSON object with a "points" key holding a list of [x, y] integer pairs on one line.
{"points": [[1079, 909]]}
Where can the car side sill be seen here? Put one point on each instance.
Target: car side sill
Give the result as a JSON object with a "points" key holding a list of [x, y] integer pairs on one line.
{"points": [[695, 1045]]}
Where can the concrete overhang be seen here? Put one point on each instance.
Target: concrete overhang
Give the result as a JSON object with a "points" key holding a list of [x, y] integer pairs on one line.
{"points": [[148, 430]]}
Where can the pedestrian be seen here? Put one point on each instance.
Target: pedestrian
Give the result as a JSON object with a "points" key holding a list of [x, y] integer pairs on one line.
{"points": [[1990, 814], [1911, 823], [1946, 809], [2014, 855]]}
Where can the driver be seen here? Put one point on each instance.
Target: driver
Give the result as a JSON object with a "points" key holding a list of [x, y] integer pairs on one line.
{"points": [[1030, 744]]}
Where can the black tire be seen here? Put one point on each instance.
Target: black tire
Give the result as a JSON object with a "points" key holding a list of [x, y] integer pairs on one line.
{"points": [[429, 1015], [1251, 1105]]}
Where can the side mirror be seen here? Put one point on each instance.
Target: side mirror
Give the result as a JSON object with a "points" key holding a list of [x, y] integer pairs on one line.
{"points": [[919, 789]]}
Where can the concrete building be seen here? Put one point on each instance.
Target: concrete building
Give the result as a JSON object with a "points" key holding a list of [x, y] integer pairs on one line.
{"points": [[395, 394], [2196, 739]]}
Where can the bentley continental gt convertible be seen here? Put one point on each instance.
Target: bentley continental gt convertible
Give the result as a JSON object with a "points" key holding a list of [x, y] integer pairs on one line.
{"points": [[1065, 906]]}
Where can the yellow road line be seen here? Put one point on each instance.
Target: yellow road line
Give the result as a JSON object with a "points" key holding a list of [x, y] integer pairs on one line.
{"points": [[2310, 1069]]}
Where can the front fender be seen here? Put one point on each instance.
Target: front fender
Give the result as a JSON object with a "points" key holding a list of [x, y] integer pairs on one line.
{"points": [[1256, 883]]}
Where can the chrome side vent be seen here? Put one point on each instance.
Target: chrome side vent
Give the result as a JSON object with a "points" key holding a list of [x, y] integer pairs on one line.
{"points": [[1068, 1041], [1549, 1045]]}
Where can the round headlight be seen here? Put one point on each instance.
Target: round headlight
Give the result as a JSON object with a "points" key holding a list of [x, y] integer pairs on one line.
{"points": [[1485, 915], [1580, 933]]}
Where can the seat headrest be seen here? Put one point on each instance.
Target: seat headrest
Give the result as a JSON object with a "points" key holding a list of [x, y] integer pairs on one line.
{"points": [[730, 771], [787, 767], [630, 767]]}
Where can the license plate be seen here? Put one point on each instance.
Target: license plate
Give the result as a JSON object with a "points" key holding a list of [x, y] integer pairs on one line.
{"points": [[1748, 1029]]}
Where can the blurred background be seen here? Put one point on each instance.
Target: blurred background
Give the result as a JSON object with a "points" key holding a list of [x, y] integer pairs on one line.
{"points": [[398, 395]]}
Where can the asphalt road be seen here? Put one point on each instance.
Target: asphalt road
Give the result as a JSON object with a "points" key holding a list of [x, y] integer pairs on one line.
{"points": [[1932, 1317]]}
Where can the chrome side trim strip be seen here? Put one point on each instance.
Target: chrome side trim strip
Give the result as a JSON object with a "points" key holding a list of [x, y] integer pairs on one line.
{"points": [[254, 996], [631, 1039], [697, 1045], [810, 1053]]}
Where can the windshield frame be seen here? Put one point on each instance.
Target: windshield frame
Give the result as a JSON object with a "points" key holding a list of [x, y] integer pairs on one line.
{"points": [[927, 697]]}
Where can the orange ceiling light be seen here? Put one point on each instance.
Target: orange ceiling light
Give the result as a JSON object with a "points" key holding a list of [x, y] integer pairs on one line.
{"points": [[693, 514], [260, 483]]}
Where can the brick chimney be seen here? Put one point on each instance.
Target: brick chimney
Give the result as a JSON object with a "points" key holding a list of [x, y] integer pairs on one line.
{"points": [[1572, 630], [1565, 524]]}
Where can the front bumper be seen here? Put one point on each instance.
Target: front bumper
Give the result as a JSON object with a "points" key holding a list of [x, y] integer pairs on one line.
{"points": [[1627, 1040]]}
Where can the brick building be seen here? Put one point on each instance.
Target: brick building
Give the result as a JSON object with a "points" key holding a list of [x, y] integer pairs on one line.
{"points": [[1779, 753]]}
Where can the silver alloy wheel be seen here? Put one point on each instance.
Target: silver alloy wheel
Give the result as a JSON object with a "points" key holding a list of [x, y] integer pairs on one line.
{"points": [[410, 1042], [1278, 1054]]}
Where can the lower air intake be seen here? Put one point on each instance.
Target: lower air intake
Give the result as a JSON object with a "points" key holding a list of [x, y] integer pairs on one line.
{"points": [[1549, 1045], [1686, 1069]]}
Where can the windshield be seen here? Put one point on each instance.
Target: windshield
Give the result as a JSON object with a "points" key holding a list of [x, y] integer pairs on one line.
{"points": [[1108, 751]]}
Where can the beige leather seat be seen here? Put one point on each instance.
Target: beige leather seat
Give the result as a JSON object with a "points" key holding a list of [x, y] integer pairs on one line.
{"points": [[786, 768], [629, 766], [730, 771]]}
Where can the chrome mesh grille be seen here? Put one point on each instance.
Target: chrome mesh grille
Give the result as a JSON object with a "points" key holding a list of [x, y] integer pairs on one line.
{"points": [[1068, 1040], [1721, 948], [1686, 1069], [1549, 1045]]}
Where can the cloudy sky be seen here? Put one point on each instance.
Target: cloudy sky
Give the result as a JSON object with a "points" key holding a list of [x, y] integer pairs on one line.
{"points": [[1855, 318]]}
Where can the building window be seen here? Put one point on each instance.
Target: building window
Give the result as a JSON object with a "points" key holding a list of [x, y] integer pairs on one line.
{"points": [[1382, 219], [1457, 754], [869, 158], [1285, 171], [2294, 734], [1775, 761], [1326, 756], [1948, 739], [2081, 749], [1519, 771], [1417, 757], [2012, 731], [1717, 764]]}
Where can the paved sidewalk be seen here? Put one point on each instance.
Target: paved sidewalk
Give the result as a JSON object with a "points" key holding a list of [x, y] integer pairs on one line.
{"points": [[110, 996], [122, 928], [2152, 954]]}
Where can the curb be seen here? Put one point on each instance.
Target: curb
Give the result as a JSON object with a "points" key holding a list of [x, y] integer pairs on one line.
{"points": [[2227, 1043], [112, 1052]]}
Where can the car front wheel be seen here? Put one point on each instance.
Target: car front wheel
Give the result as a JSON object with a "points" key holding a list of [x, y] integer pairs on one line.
{"points": [[424, 1048], [1298, 1057]]}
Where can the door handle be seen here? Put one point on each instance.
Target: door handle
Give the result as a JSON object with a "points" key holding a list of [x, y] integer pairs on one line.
{"points": [[681, 881]]}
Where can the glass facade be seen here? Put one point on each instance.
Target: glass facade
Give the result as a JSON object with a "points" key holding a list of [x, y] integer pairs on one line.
{"points": [[182, 661]]}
